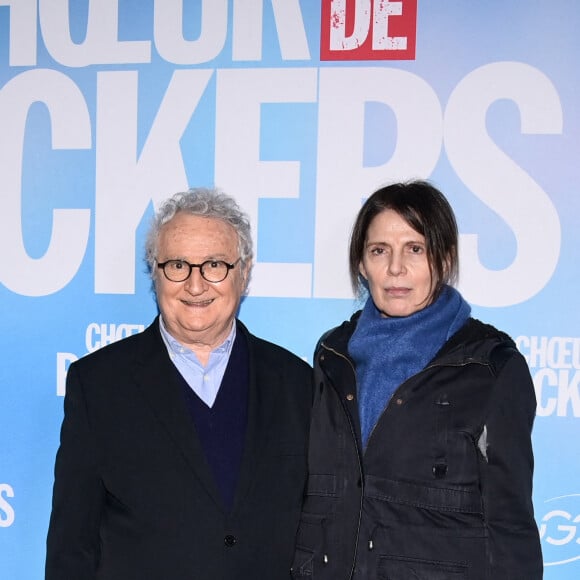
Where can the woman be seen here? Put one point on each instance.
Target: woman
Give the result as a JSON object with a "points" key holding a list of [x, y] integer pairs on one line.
{"points": [[420, 453]]}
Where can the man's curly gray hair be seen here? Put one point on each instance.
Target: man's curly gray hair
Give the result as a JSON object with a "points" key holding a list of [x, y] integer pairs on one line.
{"points": [[204, 202]]}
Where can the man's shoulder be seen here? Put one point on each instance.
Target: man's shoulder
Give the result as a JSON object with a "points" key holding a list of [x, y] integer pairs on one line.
{"points": [[271, 353], [275, 351], [120, 350]]}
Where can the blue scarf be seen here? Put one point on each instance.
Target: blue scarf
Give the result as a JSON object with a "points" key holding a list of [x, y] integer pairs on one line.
{"points": [[387, 351]]}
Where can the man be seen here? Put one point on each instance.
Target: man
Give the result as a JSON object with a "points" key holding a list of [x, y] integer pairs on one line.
{"points": [[182, 450]]}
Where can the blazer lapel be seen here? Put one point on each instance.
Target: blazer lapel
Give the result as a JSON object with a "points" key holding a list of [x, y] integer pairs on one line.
{"points": [[158, 381], [262, 397]]}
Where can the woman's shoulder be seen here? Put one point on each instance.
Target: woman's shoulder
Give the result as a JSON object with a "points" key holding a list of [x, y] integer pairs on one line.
{"points": [[338, 336], [478, 340], [476, 331]]}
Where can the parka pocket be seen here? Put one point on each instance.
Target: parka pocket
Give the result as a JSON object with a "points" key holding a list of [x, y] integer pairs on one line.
{"points": [[310, 536], [450, 499], [303, 565], [320, 501], [310, 545], [424, 532], [401, 568]]}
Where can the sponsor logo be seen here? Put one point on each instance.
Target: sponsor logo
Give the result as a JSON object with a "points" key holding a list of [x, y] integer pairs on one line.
{"points": [[368, 30], [560, 530]]}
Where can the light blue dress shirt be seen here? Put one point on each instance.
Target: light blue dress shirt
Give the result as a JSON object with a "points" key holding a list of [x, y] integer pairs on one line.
{"points": [[205, 381]]}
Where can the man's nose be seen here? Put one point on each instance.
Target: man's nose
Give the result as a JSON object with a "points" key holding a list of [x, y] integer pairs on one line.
{"points": [[196, 283]]}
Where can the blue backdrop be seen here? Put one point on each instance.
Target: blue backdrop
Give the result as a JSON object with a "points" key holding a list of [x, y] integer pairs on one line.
{"points": [[299, 109]]}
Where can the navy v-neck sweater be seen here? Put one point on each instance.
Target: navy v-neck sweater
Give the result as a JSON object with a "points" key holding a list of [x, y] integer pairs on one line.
{"points": [[222, 428]]}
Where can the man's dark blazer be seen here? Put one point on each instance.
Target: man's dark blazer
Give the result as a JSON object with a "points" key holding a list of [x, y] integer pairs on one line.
{"points": [[134, 497]]}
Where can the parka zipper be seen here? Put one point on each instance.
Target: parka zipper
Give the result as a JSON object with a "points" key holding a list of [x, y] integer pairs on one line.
{"points": [[358, 452]]}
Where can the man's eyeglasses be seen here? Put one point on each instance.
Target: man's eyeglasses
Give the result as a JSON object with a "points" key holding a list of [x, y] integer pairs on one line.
{"points": [[210, 270]]}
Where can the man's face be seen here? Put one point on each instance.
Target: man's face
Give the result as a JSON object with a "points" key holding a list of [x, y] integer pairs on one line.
{"points": [[198, 313]]}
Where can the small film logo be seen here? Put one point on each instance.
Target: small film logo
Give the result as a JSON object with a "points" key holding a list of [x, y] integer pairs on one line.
{"points": [[560, 530], [368, 30]]}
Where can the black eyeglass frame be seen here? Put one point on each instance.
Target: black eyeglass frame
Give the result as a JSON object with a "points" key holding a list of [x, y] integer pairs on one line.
{"points": [[201, 267]]}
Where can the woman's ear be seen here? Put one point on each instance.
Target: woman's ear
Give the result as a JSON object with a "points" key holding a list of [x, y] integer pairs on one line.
{"points": [[361, 270], [446, 268]]}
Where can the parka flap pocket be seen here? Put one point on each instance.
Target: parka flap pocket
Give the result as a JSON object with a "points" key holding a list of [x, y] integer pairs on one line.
{"points": [[401, 568], [439, 498], [321, 485]]}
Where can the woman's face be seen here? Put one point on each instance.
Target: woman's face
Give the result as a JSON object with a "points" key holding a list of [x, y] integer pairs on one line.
{"points": [[396, 266]]}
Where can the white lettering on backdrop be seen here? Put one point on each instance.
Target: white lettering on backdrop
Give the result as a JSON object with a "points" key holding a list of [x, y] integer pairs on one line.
{"points": [[101, 44], [127, 179]]}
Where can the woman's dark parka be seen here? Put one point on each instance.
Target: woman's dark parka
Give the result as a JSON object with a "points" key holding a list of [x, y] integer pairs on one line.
{"points": [[443, 488]]}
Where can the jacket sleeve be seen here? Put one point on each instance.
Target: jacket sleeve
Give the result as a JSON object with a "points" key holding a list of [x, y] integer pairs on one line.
{"points": [[507, 472], [73, 535]]}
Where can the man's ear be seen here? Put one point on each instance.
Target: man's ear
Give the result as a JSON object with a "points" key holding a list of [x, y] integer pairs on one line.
{"points": [[246, 271]]}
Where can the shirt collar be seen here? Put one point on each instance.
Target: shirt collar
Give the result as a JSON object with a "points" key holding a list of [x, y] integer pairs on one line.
{"points": [[175, 347]]}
